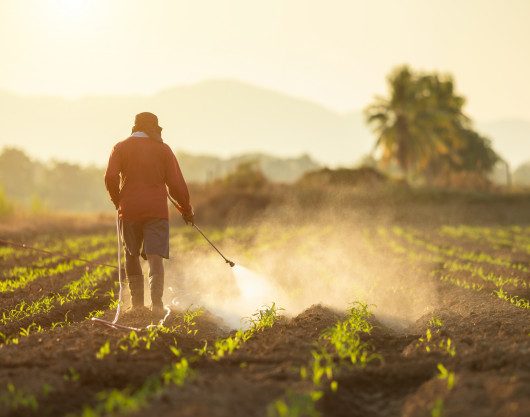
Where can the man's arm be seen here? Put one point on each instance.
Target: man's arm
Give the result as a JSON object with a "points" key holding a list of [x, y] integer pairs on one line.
{"points": [[112, 177], [177, 188]]}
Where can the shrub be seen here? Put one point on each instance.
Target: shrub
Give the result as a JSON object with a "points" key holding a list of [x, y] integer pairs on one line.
{"points": [[6, 207], [247, 175]]}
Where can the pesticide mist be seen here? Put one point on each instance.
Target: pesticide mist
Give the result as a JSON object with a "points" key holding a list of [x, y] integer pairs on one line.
{"points": [[233, 294], [253, 288], [296, 267]]}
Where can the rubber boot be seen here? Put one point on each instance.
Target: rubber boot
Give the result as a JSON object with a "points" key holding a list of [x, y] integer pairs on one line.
{"points": [[156, 285], [136, 286]]}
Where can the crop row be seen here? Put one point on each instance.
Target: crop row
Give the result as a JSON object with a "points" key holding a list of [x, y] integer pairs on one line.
{"points": [[478, 271], [434, 341], [80, 289], [144, 340], [516, 237], [340, 346], [72, 245], [13, 398], [27, 275], [33, 327], [458, 252], [126, 401], [44, 260], [123, 400], [448, 272]]}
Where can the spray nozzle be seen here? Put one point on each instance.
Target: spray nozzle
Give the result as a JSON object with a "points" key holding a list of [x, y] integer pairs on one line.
{"points": [[232, 264]]}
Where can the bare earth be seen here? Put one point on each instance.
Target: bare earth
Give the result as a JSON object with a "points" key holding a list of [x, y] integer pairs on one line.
{"points": [[491, 336]]}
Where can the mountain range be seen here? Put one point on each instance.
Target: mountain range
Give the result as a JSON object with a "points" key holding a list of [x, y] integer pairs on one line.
{"points": [[217, 117]]}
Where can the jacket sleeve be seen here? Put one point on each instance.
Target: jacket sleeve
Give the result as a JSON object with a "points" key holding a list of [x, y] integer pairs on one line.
{"points": [[177, 187], [112, 176]]}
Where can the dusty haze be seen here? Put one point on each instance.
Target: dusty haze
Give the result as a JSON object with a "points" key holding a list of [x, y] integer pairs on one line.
{"points": [[305, 262]]}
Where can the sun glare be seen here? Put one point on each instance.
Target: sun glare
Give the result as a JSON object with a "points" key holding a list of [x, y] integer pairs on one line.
{"points": [[72, 7], [73, 15]]}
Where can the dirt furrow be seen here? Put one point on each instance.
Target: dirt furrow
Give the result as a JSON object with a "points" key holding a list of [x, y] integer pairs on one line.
{"points": [[246, 382]]}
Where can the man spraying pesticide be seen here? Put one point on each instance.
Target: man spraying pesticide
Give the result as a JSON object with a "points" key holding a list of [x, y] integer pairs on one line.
{"points": [[141, 172]]}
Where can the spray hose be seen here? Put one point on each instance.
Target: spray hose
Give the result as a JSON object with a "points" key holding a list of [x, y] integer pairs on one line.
{"points": [[58, 254], [120, 250]]}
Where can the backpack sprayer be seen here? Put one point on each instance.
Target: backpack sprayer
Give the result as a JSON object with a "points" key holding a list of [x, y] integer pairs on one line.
{"points": [[114, 323]]}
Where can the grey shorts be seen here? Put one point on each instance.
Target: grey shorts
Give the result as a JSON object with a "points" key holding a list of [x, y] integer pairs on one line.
{"points": [[148, 237]]}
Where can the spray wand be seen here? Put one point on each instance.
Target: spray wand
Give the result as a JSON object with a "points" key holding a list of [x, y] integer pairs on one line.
{"points": [[229, 262]]}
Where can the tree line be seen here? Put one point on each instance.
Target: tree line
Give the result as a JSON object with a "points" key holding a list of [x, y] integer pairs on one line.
{"points": [[421, 128], [52, 186]]}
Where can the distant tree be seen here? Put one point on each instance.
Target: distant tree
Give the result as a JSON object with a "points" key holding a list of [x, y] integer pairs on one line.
{"points": [[68, 186], [57, 185], [392, 120], [17, 173], [521, 175], [6, 207], [422, 127], [247, 175]]}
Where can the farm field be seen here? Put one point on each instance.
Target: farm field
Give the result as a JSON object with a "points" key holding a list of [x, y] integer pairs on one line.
{"points": [[371, 320]]}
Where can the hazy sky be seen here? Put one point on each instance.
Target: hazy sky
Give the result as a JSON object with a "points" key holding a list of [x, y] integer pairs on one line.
{"points": [[334, 52]]}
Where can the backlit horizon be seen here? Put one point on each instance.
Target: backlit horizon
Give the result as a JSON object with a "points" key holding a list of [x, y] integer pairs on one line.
{"points": [[337, 53]]}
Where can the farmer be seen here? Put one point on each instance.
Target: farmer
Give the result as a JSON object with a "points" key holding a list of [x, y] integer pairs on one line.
{"points": [[139, 170]]}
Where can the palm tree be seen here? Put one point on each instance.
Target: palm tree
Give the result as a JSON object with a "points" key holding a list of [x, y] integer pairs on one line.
{"points": [[422, 126], [393, 120], [444, 122]]}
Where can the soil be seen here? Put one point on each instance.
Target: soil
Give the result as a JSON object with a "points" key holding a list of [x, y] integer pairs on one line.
{"points": [[491, 365]]}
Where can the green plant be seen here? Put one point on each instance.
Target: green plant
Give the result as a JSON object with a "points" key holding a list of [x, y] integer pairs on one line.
{"points": [[82, 288], [448, 376], [177, 373], [202, 351], [320, 366], [95, 313], [438, 408], [435, 322], [517, 301], [104, 350], [125, 401], [133, 341], [25, 332], [189, 320], [63, 323], [345, 336], [341, 341], [71, 375], [14, 399], [447, 346], [295, 405], [263, 318]]}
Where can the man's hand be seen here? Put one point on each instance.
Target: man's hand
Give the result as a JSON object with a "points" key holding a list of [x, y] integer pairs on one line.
{"points": [[188, 217]]}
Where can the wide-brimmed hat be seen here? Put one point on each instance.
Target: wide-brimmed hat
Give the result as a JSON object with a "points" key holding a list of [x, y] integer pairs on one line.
{"points": [[147, 122]]}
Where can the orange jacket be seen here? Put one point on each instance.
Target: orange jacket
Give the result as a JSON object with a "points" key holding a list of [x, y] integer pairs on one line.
{"points": [[138, 172]]}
